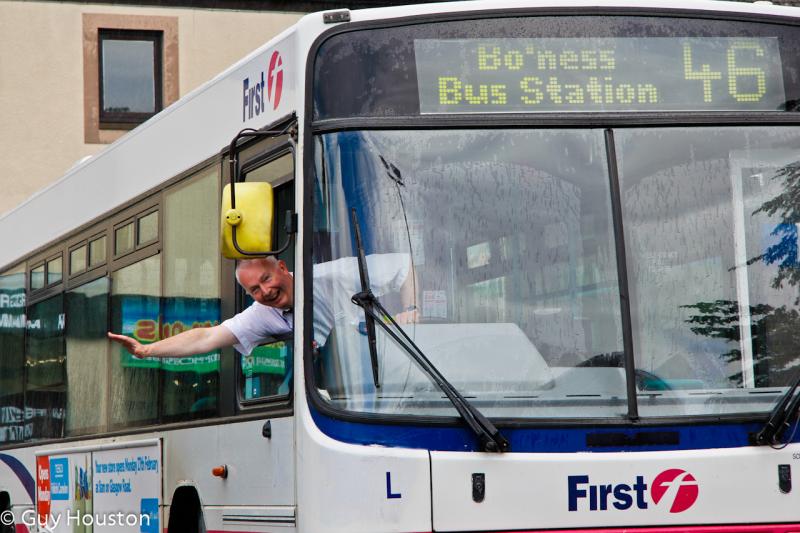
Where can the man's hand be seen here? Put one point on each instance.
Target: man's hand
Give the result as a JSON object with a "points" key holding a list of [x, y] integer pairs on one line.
{"points": [[133, 346]]}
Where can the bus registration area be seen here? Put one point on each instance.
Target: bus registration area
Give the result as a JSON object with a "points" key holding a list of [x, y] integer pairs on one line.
{"points": [[599, 74]]}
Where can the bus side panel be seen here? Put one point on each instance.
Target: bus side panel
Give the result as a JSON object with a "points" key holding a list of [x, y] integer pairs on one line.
{"points": [[260, 473], [353, 489], [18, 479]]}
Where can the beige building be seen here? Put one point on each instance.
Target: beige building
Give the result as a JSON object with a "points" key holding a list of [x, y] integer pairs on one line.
{"points": [[50, 75]]}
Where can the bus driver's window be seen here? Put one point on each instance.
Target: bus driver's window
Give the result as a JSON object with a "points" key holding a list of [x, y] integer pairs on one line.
{"points": [[267, 371]]}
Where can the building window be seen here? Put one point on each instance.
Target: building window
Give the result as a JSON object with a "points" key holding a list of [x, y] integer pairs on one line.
{"points": [[130, 72], [130, 76]]}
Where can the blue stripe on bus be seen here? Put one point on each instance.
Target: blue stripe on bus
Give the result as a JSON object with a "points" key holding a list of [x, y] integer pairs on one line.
{"points": [[538, 440], [22, 473]]}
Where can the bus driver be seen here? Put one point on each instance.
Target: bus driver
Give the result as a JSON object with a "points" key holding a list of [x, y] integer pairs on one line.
{"points": [[271, 285]]}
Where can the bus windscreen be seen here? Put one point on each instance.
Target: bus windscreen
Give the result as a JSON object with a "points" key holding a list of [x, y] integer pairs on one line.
{"points": [[599, 74]]}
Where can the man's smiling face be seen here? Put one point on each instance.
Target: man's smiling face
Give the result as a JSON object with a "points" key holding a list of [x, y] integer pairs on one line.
{"points": [[268, 281]]}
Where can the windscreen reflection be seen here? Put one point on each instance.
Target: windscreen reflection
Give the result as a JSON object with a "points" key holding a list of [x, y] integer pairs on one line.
{"points": [[711, 219], [497, 246]]}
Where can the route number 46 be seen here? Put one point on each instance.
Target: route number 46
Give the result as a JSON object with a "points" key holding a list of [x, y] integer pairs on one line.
{"points": [[753, 77]]}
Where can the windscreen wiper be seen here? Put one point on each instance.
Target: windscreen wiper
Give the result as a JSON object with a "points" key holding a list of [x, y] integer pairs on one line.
{"points": [[367, 303], [490, 438], [780, 417]]}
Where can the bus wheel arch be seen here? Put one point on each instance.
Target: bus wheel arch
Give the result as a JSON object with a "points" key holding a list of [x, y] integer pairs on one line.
{"points": [[186, 512]]}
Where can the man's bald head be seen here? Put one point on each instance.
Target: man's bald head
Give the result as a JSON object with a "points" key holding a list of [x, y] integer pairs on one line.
{"points": [[256, 262], [267, 280]]}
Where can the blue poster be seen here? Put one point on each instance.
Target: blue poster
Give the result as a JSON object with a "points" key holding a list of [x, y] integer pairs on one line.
{"points": [[59, 478], [149, 509]]}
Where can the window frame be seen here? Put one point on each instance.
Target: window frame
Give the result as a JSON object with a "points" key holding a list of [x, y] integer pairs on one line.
{"points": [[254, 156], [106, 255], [93, 133], [89, 273], [106, 392], [70, 249], [29, 277], [41, 298], [138, 243], [130, 260], [127, 222], [224, 404], [124, 119], [21, 268], [35, 295], [139, 251]]}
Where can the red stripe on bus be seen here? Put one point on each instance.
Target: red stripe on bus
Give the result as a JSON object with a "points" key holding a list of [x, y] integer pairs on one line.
{"points": [[229, 531], [763, 528]]}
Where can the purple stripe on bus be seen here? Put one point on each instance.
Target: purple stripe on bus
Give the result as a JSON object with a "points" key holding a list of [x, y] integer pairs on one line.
{"points": [[22, 473]]}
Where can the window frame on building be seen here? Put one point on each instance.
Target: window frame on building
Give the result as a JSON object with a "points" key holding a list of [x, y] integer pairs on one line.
{"points": [[124, 119], [97, 130]]}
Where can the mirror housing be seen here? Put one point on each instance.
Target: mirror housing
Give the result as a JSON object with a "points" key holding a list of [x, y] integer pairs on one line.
{"points": [[246, 229]]}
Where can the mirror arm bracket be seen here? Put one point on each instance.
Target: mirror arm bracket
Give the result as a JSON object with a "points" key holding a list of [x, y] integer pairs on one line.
{"points": [[233, 160]]}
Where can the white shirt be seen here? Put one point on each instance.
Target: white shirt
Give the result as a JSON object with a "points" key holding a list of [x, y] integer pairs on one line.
{"points": [[334, 283]]}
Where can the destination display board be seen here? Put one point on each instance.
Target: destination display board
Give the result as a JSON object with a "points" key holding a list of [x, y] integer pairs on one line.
{"points": [[516, 75]]}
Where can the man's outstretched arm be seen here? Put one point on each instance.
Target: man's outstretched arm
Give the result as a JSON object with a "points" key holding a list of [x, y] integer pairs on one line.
{"points": [[189, 342]]}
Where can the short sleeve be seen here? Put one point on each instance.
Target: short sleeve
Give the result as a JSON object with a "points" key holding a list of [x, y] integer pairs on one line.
{"points": [[255, 325]]}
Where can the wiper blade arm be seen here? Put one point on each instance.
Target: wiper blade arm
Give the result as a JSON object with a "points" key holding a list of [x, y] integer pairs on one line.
{"points": [[367, 302], [780, 417], [489, 436]]}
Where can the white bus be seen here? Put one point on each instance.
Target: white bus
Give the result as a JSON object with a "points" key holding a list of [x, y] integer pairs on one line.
{"points": [[595, 203]]}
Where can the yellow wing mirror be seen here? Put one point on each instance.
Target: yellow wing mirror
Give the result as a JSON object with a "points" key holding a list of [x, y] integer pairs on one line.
{"points": [[246, 229], [247, 211]]}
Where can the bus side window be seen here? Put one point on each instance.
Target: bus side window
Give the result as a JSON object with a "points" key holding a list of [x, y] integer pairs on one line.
{"points": [[191, 295], [267, 371], [12, 355]]}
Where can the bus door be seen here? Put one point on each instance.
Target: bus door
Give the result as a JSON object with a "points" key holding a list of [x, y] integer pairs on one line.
{"points": [[264, 376]]}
